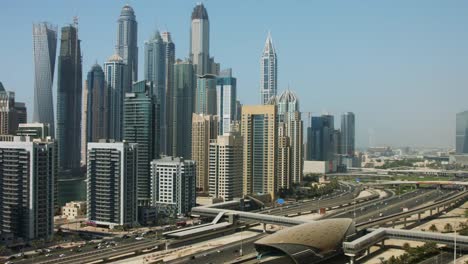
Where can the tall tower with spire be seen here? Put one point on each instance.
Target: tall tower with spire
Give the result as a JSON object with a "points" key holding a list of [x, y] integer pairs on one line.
{"points": [[268, 71], [200, 40], [126, 46]]}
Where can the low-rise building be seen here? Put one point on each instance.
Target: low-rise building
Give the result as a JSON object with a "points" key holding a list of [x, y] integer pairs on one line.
{"points": [[74, 210]]}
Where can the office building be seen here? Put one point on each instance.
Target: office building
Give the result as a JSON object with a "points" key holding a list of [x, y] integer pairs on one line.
{"points": [[74, 210], [114, 73], [141, 126], [347, 142], [169, 59], [322, 140], [173, 185], [44, 50], [291, 137], [69, 100], [28, 174], [268, 71], [226, 99], [204, 129], [259, 133], [34, 130], [182, 109], [11, 113], [205, 94], [225, 167], [112, 183], [126, 46], [97, 105], [461, 139]]}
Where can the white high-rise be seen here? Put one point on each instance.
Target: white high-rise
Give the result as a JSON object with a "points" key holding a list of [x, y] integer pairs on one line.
{"points": [[200, 40], [268, 71], [126, 46]]}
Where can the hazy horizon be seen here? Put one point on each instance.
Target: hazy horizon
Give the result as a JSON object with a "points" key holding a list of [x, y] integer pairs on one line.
{"points": [[400, 66]]}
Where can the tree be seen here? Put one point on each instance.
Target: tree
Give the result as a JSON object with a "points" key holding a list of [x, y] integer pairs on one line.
{"points": [[448, 228], [406, 247], [433, 228]]}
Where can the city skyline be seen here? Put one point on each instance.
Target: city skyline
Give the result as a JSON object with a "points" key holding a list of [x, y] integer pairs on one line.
{"points": [[368, 69]]}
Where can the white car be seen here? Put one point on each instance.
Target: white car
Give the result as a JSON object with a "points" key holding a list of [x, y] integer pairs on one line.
{"points": [[139, 238], [61, 255]]}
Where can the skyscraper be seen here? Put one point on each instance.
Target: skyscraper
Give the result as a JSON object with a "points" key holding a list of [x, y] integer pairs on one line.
{"points": [[461, 137], [114, 72], [268, 71], [173, 185], [321, 139], [126, 46], [225, 166], [347, 134], [204, 129], [169, 58], [69, 100], [11, 113], [98, 106], [289, 118], [141, 126], [112, 183], [182, 109], [28, 172], [226, 93], [200, 40], [205, 94], [44, 50], [155, 71], [34, 130], [259, 132]]}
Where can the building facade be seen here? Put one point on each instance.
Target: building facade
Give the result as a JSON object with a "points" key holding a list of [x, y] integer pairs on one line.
{"points": [[461, 137], [126, 46], [204, 129], [34, 130], [347, 141], [141, 126], [74, 210], [200, 40], [268, 71], [169, 59], [173, 185], [98, 105], [114, 73], [226, 93], [28, 174], [11, 113], [259, 133], [112, 183], [225, 167], [44, 50], [182, 109], [69, 92]]}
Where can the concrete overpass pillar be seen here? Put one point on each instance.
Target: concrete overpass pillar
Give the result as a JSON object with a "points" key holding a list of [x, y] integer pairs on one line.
{"points": [[393, 223], [367, 251], [404, 222], [430, 212], [383, 243], [264, 227], [351, 259], [419, 217], [438, 209]]}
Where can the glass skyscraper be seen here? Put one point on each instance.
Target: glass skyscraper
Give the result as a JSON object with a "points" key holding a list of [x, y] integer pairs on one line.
{"points": [[98, 108], [200, 40], [44, 50], [461, 140], [169, 47], [114, 72], [268, 71], [69, 91], [205, 95], [320, 138], [347, 141], [126, 46]]}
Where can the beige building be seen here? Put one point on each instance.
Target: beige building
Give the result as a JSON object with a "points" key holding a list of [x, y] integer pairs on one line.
{"points": [[225, 167], [284, 159], [259, 132], [204, 129], [74, 210]]}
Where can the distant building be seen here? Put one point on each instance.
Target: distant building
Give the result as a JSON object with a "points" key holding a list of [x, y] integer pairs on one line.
{"points": [[268, 71], [225, 166], [126, 46], [97, 105], [112, 183], [114, 73], [173, 185], [200, 40], [69, 91], [461, 140], [74, 210], [226, 92], [204, 129], [28, 172], [169, 59], [11, 113], [205, 94], [44, 50], [182, 109], [141, 126], [347, 141], [259, 133], [34, 130]]}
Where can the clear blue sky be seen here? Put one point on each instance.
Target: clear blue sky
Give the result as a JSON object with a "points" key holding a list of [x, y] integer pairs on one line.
{"points": [[401, 66]]}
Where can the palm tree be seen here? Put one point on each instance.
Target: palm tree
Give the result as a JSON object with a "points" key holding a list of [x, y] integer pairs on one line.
{"points": [[448, 228], [433, 228]]}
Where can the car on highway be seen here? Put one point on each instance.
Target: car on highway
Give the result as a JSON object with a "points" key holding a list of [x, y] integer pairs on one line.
{"points": [[139, 238], [62, 255]]}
